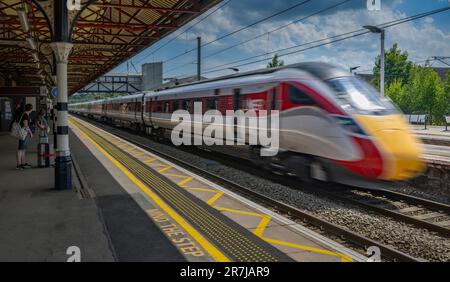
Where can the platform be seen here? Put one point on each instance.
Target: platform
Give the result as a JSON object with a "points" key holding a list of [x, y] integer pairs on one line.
{"points": [[38, 223], [204, 221], [435, 135]]}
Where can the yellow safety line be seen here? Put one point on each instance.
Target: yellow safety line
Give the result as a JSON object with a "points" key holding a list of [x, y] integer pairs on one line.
{"points": [[262, 226], [183, 182], [174, 175], [164, 169], [199, 189], [149, 160], [214, 198], [343, 257], [215, 253]]}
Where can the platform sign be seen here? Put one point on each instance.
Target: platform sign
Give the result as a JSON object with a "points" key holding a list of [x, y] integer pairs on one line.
{"points": [[54, 92]]}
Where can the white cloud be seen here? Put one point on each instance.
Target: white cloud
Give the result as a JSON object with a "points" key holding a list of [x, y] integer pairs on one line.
{"points": [[420, 39]]}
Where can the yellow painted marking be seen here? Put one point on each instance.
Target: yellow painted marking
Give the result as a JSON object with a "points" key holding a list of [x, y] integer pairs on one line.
{"points": [[199, 189], [182, 182], [175, 175], [214, 198], [343, 257], [238, 211], [149, 160], [165, 168], [215, 253], [262, 225]]}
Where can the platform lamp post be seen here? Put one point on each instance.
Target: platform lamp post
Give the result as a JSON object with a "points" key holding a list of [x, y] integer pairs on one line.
{"points": [[61, 48], [199, 58], [376, 29]]}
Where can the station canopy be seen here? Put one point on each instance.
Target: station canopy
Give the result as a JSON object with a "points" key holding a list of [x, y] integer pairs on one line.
{"points": [[105, 33]]}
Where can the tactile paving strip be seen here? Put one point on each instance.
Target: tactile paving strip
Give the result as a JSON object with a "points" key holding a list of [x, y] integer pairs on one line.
{"points": [[236, 242]]}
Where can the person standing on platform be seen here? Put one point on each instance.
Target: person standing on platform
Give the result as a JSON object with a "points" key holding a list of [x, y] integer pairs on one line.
{"points": [[17, 114], [24, 122]]}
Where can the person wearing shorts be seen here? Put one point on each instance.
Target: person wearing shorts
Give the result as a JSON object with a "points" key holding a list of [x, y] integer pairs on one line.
{"points": [[24, 121]]}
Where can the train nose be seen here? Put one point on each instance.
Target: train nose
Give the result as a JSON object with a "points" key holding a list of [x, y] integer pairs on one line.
{"points": [[400, 149]]}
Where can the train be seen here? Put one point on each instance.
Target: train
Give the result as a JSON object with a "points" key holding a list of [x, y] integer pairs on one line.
{"points": [[333, 126]]}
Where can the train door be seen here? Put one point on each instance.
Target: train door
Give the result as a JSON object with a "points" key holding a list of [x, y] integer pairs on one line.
{"points": [[273, 99], [143, 110], [135, 109], [150, 110], [236, 106], [236, 99]]}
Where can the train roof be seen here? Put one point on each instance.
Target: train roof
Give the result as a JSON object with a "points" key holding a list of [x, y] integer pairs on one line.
{"points": [[306, 70], [319, 70]]}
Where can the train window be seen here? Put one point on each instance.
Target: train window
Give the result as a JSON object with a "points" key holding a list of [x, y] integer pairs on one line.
{"points": [[297, 96], [166, 107], [213, 103], [187, 105], [159, 107]]}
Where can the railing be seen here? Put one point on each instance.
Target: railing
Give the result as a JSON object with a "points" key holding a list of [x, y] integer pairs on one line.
{"points": [[418, 119], [447, 122]]}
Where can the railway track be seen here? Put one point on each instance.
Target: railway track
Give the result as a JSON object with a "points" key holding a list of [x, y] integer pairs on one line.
{"points": [[430, 215], [342, 233]]}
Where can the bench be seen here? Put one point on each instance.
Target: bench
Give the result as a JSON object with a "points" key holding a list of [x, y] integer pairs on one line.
{"points": [[418, 119]]}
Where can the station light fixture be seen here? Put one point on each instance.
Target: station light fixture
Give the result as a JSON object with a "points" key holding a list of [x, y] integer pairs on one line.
{"points": [[372, 28], [23, 18], [376, 29], [31, 42]]}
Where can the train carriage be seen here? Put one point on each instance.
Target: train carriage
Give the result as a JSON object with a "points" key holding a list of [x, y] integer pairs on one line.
{"points": [[333, 126]]}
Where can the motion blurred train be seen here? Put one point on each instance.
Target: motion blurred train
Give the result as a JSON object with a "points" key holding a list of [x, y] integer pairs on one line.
{"points": [[332, 125]]}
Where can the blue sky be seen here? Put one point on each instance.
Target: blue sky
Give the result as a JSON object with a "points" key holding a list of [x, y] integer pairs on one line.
{"points": [[422, 38]]}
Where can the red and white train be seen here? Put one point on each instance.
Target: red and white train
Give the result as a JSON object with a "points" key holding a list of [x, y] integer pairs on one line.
{"points": [[333, 126]]}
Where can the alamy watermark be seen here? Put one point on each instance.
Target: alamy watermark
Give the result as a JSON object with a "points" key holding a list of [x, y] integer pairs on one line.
{"points": [[74, 254], [374, 5], [239, 127]]}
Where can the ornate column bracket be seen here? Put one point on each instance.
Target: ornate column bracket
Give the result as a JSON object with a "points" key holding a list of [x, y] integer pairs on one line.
{"points": [[62, 51]]}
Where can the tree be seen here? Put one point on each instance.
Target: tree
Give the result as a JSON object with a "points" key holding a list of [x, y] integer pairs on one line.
{"points": [[426, 94], [398, 93], [397, 67], [446, 95], [275, 62]]}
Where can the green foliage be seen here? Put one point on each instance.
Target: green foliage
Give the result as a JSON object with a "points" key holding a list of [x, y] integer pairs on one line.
{"points": [[396, 67], [427, 93], [275, 62], [446, 95], [398, 94], [78, 98], [414, 89]]}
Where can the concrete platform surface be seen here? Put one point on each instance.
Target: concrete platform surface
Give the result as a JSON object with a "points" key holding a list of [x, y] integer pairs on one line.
{"points": [[38, 223]]}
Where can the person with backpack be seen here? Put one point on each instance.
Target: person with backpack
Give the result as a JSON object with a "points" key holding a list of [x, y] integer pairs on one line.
{"points": [[24, 122]]}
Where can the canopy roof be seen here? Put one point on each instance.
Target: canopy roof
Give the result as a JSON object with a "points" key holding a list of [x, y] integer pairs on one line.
{"points": [[105, 33]]}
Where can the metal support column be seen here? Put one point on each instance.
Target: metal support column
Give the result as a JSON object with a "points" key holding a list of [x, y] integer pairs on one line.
{"points": [[382, 64], [199, 58], [61, 48]]}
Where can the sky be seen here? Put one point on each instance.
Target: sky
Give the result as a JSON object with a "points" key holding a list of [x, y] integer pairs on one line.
{"points": [[422, 38]]}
